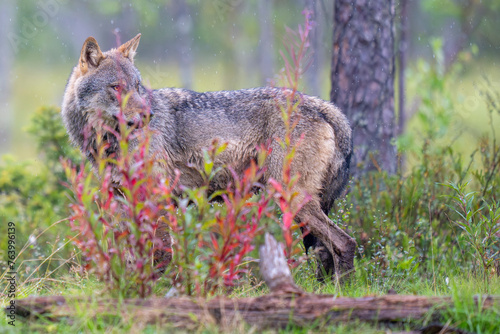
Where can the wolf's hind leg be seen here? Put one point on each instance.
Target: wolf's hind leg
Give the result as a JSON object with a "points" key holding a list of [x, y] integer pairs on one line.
{"points": [[337, 242], [326, 266]]}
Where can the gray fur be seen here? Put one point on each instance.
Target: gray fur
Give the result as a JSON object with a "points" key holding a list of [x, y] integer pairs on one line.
{"points": [[184, 122]]}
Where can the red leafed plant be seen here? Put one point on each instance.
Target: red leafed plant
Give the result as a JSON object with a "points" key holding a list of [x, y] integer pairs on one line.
{"points": [[296, 53], [238, 227], [117, 224], [213, 240]]}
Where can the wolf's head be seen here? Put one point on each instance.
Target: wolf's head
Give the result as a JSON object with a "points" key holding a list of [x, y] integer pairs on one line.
{"points": [[103, 83]]}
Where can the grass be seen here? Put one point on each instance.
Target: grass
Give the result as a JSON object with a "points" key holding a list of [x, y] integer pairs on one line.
{"points": [[461, 286]]}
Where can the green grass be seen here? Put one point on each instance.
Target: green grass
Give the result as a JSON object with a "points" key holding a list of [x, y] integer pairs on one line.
{"points": [[461, 286]]}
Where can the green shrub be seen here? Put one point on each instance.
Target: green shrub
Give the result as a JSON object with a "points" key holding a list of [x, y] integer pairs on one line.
{"points": [[34, 199], [402, 222]]}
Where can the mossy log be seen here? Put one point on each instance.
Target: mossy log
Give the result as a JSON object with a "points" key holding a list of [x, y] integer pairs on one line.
{"points": [[285, 305]]}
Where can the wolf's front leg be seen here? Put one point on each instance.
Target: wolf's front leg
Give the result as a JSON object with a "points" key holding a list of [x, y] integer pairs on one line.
{"points": [[163, 253]]}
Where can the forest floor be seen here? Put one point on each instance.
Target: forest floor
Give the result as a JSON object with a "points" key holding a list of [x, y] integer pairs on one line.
{"points": [[462, 287]]}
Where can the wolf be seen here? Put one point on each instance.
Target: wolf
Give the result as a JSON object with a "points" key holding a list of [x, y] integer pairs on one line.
{"points": [[184, 122]]}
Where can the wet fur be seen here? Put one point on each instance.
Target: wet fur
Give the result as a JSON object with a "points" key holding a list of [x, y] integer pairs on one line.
{"points": [[185, 122]]}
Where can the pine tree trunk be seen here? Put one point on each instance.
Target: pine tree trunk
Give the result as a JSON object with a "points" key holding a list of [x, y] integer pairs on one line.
{"points": [[313, 73], [402, 61], [184, 27], [363, 79], [7, 22], [266, 42]]}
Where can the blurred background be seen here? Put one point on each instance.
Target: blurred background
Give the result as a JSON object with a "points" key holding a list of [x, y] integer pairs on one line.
{"points": [[225, 44]]}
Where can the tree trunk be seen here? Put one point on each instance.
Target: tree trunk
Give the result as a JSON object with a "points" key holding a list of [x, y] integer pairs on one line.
{"points": [[362, 78], [270, 311], [469, 18], [236, 62], [7, 19], [266, 42], [313, 73], [402, 60], [183, 28]]}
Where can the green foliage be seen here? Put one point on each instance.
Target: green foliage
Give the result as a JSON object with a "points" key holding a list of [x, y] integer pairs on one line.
{"points": [[52, 141], [148, 11], [435, 108], [470, 316], [32, 196], [480, 222], [402, 221], [442, 8]]}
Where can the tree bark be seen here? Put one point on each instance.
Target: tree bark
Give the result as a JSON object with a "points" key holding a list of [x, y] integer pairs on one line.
{"points": [[313, 73], [471, 15], [362, 78], [274, 268], [269, 311], [7, 21], [184, 27], [237, 61], [266, 41]]}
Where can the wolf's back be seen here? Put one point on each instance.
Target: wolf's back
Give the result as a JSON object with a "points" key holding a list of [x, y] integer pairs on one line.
{"points": [[251, 117]]}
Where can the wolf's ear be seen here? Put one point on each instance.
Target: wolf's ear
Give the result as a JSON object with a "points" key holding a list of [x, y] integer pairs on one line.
{"points": [[128, 49], [91, 55]]}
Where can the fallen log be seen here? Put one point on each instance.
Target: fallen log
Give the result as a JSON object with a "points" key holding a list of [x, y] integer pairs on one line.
{"points": [[269, 311], [285, 305]]}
